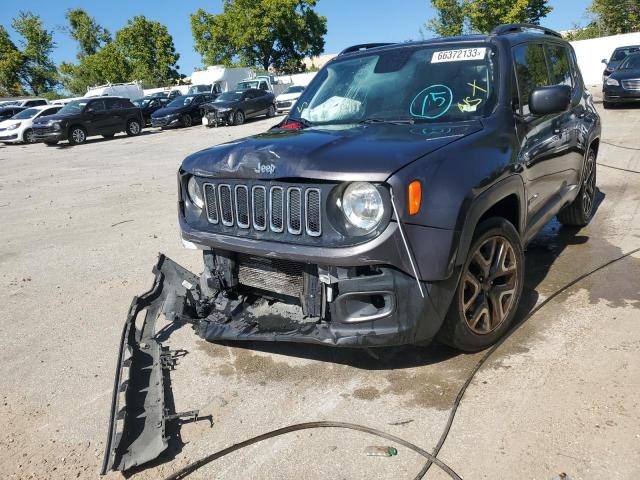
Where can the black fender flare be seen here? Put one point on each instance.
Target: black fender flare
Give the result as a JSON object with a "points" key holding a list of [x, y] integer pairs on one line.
{"points": [[512, 185]]}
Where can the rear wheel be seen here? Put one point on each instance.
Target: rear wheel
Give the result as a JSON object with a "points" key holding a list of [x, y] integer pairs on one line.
{"points": [[579, 212], [77, 135], [238, 118], [186, 120], [489, 288], [133, 128], [28, 136]]}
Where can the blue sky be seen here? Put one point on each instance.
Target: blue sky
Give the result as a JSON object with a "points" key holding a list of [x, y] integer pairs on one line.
{"points": [[348, 21]]}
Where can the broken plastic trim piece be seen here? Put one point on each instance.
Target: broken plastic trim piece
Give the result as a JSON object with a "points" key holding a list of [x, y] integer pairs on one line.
{"points": [[137, 419]]}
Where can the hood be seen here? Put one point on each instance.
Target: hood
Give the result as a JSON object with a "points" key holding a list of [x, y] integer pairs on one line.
{"points": [[228, 104], [283, 97], [7, 123], [626, 74], [164, 111], [54, 118], [344, 152]]}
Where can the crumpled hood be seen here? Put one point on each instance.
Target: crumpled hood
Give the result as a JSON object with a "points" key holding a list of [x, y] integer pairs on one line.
{"points": [[340, 152], [164, 111]]}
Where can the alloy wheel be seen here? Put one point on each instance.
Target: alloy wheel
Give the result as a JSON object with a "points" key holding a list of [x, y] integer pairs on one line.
{"points": [[78, 135], [489, 285], [29, 137], [134, 128], [589, 185]]}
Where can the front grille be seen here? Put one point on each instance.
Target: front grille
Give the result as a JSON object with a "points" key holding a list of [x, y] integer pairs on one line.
{"points": [[281, 209], [283, 104], [37, 130], [633, 84], [280, 276]]}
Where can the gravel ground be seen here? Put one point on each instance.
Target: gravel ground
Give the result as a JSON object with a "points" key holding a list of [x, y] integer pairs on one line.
{"points": [[81, 229]]}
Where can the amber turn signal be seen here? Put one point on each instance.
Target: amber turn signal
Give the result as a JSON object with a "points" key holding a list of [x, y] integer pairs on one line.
{"points": [[415, 197]]}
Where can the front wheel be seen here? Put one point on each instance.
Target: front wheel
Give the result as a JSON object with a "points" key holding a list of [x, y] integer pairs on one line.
{"points": [[77, 136], [186, 120], [29, 136], [489, 289], [133, 128], [271, 112], [238, 118], [579, 212]]}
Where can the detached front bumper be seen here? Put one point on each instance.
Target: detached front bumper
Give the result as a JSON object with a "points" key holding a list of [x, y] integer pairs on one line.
{"points": [[48, 134]]}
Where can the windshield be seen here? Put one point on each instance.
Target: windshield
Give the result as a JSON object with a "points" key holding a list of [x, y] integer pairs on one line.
{"points": [[247, 85], [73, 107], [443, 84], [228, 97], [28, 113], [181, 101], [199, 88], [141, 102], [632, 61], [294, 89], [622, 53]]}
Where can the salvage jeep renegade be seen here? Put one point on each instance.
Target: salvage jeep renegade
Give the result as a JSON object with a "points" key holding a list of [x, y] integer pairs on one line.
{"points": [[391, 206]]}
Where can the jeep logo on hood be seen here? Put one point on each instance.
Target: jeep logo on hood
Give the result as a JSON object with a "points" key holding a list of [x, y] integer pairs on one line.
{"points": [[262, 168]]}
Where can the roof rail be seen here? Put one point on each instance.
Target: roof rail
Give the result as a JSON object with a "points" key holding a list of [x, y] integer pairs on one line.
{"points": [[363, 46], [522, 27]]}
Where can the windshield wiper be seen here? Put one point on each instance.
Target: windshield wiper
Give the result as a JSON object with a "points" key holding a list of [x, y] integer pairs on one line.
{"points": [[394, 121]]}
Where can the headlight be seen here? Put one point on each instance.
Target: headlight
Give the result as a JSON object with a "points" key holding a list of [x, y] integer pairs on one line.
{"points": [[14, 126], [613, 82], [195, 194], [223, 110], [362, 206], [56, 126]]}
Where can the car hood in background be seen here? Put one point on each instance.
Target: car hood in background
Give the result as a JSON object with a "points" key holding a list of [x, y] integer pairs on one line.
{"points": [[283, 97], [626, 74], [339, 152], [164, 111], [218, 105]]}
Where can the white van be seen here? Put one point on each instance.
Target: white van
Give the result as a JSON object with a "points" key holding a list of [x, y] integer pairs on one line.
{"points": [[216, 79], [131, 90]]}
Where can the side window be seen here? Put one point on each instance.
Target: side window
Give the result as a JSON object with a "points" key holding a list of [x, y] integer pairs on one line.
{"points": [[97, 106], [263, 86], [531, 71], [197, 100], [560, 65], [49, 111]]}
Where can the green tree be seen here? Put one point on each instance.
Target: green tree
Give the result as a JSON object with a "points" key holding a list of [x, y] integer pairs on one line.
{"points": [[148, 48], [108, 65], [449, 20], [482, 16], [11, 65], [86, 31], [39, 73], [617, 16], [260, 33]]}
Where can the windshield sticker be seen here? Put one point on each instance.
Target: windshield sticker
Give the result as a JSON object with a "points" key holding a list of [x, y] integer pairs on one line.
{"points": [[475, 87], [469, 105], [459, 55], [432, 102]]}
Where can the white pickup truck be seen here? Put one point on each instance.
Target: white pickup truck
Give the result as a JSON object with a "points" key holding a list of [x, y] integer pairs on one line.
{"points": [[263, 82]]}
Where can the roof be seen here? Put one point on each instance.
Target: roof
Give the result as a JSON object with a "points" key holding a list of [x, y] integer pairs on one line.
{"points": [[513, 33]]}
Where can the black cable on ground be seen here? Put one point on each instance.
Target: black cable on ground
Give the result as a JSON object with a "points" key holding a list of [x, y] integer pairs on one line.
{"points": [[619, 146], [617, 168], [491, 351], [192, 467]]}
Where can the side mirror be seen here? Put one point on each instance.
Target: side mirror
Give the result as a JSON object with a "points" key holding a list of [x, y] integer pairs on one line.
{"points": [[548, 100], [604, 60]]}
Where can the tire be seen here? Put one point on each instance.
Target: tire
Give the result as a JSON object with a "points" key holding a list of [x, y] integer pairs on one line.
{"points": [[579, 212], [133, 128], [271, 112], [186, 120], [108, 135], [238, 118], [51, 143], [28, 136], [489, 289], [77, 135]]}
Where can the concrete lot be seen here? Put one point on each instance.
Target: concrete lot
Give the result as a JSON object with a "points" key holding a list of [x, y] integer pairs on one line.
{"points": [[81, 228]]}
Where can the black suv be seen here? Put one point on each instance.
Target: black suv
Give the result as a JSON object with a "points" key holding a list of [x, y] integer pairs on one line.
{"points": [[181, 111], [394, 204], [86, 117]]}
